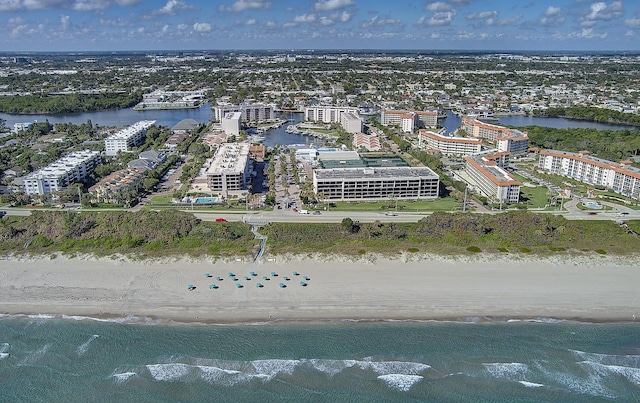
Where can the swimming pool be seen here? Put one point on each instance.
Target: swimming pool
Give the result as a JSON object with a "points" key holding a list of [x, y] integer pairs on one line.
{"points": [[205, 200]]}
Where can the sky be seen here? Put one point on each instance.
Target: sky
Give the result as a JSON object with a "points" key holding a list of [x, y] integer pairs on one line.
{"points": [[111, 25]]}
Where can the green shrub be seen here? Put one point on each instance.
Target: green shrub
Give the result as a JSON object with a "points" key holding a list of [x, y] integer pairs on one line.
{"points": [[601, 251], [474, 249], [413, 250]]}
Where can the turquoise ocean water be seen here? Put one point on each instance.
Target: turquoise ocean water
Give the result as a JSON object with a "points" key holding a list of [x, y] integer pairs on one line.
{"points": [[85, 360]]}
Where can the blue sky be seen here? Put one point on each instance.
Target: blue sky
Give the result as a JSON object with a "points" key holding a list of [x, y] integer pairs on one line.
{"points": [[75, 25]]}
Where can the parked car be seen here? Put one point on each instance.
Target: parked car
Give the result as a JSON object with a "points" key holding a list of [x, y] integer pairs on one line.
{"points": [[221, 219]]}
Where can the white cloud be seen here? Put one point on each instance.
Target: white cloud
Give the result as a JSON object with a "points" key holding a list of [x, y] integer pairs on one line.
{"points": [[330, 5], [202, 27], [438, 7], [252, 21], [242, 5], [64, 22], [10, 5], [128, 2], [182, 27], [304, 18], [510, 21], [552, 17], [344, 16], [172, 7], [165, 29], [489, 17], [633, 22], [438, 19], [377, 22], [600, 11]]}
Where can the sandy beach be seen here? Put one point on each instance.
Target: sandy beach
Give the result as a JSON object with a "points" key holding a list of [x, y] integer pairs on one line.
{"points": [[374, 288]]}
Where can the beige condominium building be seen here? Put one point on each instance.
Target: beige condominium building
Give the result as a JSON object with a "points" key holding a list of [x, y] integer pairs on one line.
{"points": [[73, 168], [449, 145], [327, 114], [123, 140], [620, 177], [367, 183], [408, 121], [229, 169], [250, 112], [505, 139], [486, 174]]}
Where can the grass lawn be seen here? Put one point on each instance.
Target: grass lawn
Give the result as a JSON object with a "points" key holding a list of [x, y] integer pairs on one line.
{"points": [[535, 197]]}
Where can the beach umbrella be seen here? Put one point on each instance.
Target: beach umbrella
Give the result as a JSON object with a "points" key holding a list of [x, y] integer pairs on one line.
{"points": [[239, 285], [265, 278], [274, 274], [302, 283], [282, 285], [253, 273], [247, 278], [295, 273], [259, 285], [230, 274], [286, 278], [208, 275], [219, 278], [234, 278], [191, 287], [213, 287], [307, 278]]}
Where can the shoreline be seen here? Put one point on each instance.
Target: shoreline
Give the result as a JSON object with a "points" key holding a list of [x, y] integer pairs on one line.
{"points": [[411, 289]]}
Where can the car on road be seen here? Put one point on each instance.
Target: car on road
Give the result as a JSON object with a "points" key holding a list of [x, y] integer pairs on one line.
{"points": [[3, 213], [221, 219], [316, 212], [592, 213], [391, 214]]}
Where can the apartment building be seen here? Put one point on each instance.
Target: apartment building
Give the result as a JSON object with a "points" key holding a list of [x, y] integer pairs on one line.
{"points": [[366, 141], [112, 187], [620, 177], [124, 140], [73, 168], [231, 123], [508, 140], [408, 121], [328, 114], [351, 122], [448, 145], [367, 183], [254, 113], [229, 169], [485, 172]]}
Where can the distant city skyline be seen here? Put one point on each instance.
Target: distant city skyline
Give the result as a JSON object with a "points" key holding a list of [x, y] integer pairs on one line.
{"points": [[105, 25]]}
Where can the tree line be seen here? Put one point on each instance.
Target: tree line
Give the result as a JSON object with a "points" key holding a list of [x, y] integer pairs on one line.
{"points": [[67, 103]]}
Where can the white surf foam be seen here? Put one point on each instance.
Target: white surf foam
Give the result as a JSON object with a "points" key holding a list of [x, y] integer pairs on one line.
{"points": [[393, 367], [84, 347], [4, 347], [514, 371], [3, 355], [602, 370], [274, 367], [168, 372], [531, 384], [123, 377], [402, 382], [610, 359], [586, 385], [331, 367]]}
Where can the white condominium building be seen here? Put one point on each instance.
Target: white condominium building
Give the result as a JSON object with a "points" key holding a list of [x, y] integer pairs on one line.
{"points": [[71, 169], [250, 112], [123, 140], [231, 123], [229, 169], [327, 114], [409, 120], [353, 184], [509, 140], [448, 144], [485, 173], [351, 122], [620, 177]]}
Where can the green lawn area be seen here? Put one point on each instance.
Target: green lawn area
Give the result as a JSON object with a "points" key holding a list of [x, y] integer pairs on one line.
{"points": [[442, 204], [161, 199], [533, 197]]}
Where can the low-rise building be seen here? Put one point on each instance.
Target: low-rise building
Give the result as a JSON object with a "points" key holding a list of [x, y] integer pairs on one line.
{"points": [[449, 145], [112, 188], [486, 174], [367, 183], [408, 121], [367, 141], [620, 177], [123, 140], [73, 168]]}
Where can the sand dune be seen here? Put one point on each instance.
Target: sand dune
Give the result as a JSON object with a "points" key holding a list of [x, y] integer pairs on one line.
{"points": [[409, 287]]}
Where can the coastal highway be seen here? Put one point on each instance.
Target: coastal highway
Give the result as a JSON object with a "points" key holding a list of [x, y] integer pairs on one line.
{"points": [[619, 214]]}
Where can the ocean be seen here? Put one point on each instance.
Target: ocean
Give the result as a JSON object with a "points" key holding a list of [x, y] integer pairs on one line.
{"points": [[73, 359]]}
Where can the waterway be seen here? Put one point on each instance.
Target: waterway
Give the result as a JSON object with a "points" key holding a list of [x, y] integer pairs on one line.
{"points": [[452, 123], [169, 118]]}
